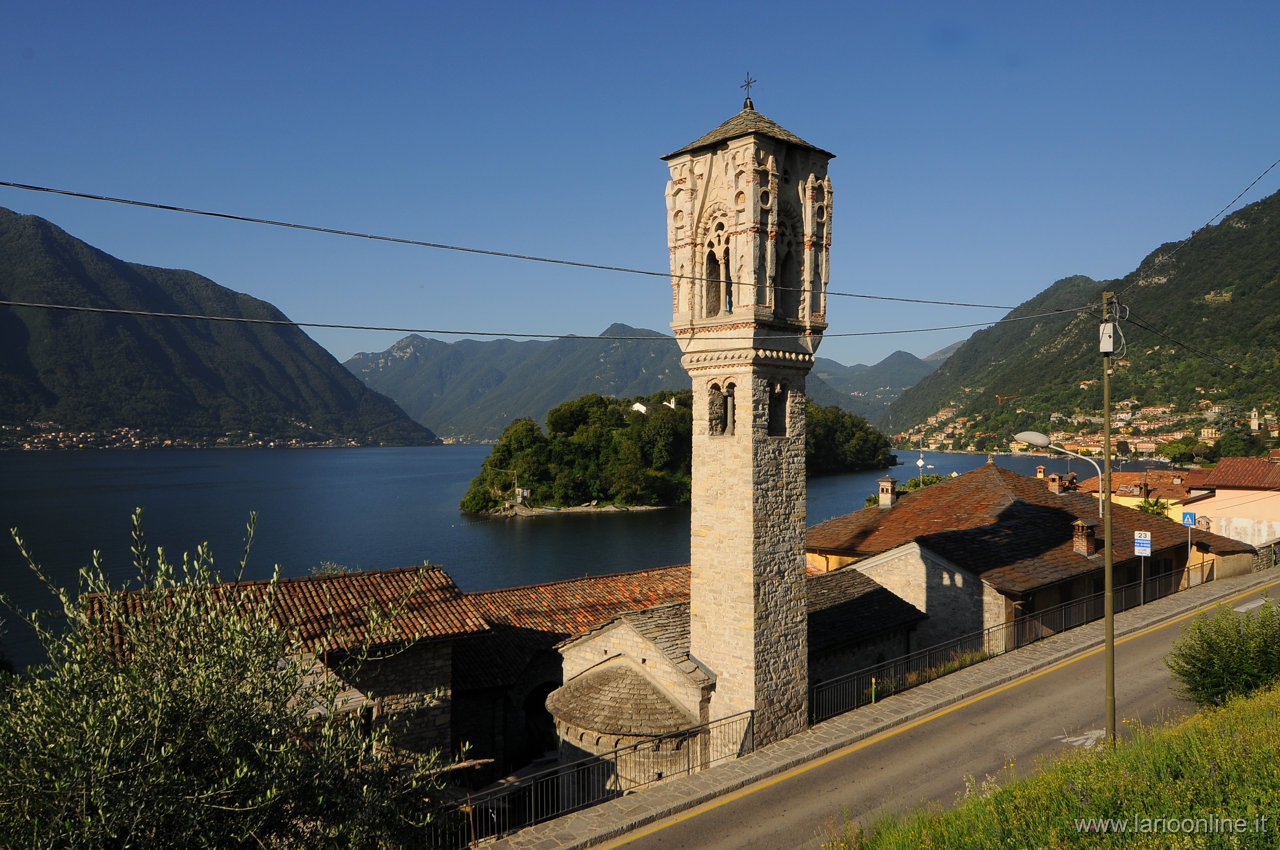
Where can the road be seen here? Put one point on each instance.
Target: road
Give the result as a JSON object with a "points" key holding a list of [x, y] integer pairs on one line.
{"points": [[1000, 732]]}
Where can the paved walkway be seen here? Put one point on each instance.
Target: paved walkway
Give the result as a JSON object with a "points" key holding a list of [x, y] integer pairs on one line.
{"points": [[617, 817]]}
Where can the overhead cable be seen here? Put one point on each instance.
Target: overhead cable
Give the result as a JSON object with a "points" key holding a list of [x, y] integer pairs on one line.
{"points": [[77, 308], [446, 247]]}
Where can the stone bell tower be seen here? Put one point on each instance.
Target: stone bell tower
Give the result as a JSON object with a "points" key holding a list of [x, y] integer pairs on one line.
{"points": [[749, 232]]}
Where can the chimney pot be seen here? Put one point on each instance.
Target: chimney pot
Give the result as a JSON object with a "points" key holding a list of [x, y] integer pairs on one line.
{"points": [[1084, 538], [888, 491]]}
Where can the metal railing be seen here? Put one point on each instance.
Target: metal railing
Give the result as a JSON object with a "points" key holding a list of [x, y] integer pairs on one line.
{"points": [[863, 687], [592, 780]]}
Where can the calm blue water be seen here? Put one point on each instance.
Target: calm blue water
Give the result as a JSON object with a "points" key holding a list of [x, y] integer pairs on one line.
{"points": [[362, 508]]}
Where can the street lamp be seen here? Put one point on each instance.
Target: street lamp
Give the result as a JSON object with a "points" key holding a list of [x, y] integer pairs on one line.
{"points": [[1035, 438], [1040, 441]]}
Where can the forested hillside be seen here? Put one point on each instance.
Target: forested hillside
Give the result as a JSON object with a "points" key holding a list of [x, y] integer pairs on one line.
{"points": [[180, 377], [470, 391], [1199, 319]]}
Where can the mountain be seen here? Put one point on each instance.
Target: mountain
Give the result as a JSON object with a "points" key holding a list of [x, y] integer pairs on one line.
{"points": [[1198, 320], [869, 390], [174, 377], [470, 390]]}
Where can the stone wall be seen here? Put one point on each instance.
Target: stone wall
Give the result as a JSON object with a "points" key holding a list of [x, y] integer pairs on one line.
{"points": [[957, 602], [747, 610], [407, 690], [621, 640]]}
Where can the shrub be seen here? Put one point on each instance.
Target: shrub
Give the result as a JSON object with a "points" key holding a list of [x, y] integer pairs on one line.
{"points": [[1227, 654], [181, 715]]}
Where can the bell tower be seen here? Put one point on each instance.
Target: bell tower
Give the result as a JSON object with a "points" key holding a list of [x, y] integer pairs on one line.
{"points": [[749, 232]]}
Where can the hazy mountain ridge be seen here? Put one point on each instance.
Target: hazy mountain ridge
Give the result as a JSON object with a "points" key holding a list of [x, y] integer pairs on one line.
{"points": [[189, 378], [471, 390], [1213, 300]]}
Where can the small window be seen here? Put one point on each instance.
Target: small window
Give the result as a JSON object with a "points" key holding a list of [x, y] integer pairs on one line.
{"points": [[729, 410], [717, 411], [778, 410]]}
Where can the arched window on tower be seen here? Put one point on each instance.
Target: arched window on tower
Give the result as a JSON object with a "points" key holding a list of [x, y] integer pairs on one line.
{"points": [[778, 397], [729, 410], [717, 411], [728, 284], [711, 301]]}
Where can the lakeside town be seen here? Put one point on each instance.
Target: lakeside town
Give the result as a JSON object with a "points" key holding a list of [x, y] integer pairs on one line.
{"points": [[1144, 429], [51, 436]]}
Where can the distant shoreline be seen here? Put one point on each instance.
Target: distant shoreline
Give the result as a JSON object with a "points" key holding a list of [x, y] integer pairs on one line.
{"points": [[526, 511]]}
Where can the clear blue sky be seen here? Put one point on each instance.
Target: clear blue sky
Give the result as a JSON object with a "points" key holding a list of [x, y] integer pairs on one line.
{"points": [[984, 150]]}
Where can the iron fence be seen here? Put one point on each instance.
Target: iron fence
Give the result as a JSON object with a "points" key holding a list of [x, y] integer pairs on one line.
{"points": [[862, 687], [592, 780]]}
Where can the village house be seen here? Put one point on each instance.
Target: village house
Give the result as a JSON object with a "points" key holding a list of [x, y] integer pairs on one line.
{"points": [[981, 549], [1244, 499], [1171, 486], [387, 635]]}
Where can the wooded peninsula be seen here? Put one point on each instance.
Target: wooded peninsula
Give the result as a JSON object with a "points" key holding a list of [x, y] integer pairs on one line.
{"points": [[637, 451]]}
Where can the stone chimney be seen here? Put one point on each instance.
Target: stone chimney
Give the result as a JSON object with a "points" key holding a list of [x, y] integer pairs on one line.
{"points": [[888, 491], [1040, 471], [1083, 540], [1055, 482]]}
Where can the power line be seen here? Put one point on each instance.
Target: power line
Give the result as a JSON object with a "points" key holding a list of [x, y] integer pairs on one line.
{"points": [[1167, 257], [76, 308], [1205, 354], [446, 247]]}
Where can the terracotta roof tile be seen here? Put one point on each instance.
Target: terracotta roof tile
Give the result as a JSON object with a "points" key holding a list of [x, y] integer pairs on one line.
{"points": [[1244, 473], [1005, 527], [1172, 485], [572, 606], [329, 612]]}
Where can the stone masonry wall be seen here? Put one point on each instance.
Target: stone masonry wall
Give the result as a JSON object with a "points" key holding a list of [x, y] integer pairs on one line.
{"points": [[747, 612], [621, 640], [410, 692]]}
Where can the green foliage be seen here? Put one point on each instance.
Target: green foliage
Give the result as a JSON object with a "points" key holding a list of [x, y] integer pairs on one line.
{"points": [[837, 442], [1203, 345], [170, 377], [595, 449], [906, 487], [1227, 654], [1155, 507], [1217, 766], [599, 449], [181, 716]]}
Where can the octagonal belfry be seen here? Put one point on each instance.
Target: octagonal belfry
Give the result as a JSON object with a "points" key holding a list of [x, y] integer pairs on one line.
{"points": [[749, 231]]}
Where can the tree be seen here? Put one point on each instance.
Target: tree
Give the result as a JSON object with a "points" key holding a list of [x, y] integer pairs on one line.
{"points": [[1154, 506], [837, 441], [181, 715]]}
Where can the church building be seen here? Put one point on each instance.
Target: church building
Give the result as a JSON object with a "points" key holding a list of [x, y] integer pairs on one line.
{"points": [[749, 234]]}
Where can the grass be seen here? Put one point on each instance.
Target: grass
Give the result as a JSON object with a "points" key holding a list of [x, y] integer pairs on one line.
{"points": [[888, 686], [1220, 765]]}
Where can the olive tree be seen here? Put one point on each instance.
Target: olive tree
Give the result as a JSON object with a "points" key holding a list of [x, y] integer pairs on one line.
{"points": [[182, 714]]}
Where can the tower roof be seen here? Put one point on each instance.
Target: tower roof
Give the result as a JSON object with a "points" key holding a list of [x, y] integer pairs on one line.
{"points": [[746, 123]]}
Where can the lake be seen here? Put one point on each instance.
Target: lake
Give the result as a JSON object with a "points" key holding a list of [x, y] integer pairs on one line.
{"points": [[361, 508]]}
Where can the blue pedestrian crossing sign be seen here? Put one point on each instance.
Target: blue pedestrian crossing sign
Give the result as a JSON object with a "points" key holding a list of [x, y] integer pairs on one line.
{"points": [[1188, 518], [1142, 543]]}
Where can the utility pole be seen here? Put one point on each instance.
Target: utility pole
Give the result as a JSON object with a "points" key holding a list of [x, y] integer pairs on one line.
{"points": [[1106, 345]]}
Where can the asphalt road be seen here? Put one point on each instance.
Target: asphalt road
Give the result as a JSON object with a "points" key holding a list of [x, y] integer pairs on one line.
{"points": [[1004, 730]]}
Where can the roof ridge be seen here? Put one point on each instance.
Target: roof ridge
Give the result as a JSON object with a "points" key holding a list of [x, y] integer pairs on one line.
{"points": [[563, 581]]}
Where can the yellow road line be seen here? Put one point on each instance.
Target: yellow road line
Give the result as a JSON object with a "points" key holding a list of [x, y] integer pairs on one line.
{"points": [[875, 739]]}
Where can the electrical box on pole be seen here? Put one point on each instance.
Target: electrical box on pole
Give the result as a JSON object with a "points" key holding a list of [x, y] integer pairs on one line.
{"points": [[1107, 338]]}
